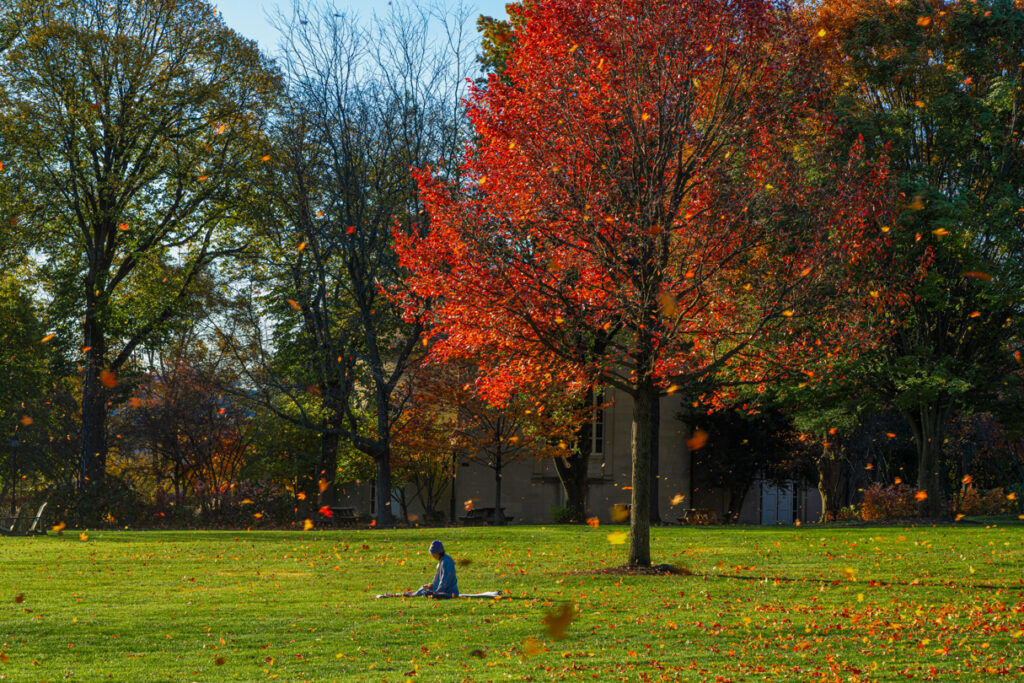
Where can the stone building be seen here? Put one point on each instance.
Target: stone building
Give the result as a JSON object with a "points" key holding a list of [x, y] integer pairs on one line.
{"points": [[531, 490]]}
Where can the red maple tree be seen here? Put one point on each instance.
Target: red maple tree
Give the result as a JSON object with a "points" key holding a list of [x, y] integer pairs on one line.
{"points": [[655, 194]]}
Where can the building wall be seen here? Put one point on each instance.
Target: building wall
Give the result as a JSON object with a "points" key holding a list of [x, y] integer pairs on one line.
{"points": [[531, 489]]}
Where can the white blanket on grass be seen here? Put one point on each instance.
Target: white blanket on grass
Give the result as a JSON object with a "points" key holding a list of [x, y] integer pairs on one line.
{"points": [[485, 594]]}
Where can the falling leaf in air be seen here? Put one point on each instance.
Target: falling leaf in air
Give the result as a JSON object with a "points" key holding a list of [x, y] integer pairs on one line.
{"points": [[203, 178], [83, 536], [307, 525], [921, 495], [822, 33], [326, 511], [940, 232], [246, 501], [919, 104], [532, 646], [58, 527], [897, 481], [323, 485], [26, 420], [978, 275], [669, 305], [301, 496], [294, 304], [924, 21], [1011, 496], [678, 499], [593, 522], [108, 379], [975, 314], [891, 435], [351, 229], [620, 513], [220, 129], [468, 505], [47, 338], [258, 515], [265, 157], [917, 202], [302, 245], [698, 440], [558, 621], [124, 227], [617, 537], [966, 479]]}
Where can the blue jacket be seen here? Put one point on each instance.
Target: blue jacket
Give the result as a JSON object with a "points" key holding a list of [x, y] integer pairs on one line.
{"points": [[444, 577]]}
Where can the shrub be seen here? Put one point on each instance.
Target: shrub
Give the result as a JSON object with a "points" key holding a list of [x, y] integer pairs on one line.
{"points": [[561, 515], [114, 504], [885, 502], [991, 502]]}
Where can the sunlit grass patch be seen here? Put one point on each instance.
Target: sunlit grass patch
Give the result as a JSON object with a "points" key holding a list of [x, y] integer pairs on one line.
{"points": [[775, 603]]}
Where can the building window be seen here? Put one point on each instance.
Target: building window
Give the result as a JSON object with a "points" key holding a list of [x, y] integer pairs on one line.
{"points": [[597, 425]]}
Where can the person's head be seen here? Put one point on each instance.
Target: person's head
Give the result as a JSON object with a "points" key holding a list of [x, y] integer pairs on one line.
{"points": [[436, 550]]}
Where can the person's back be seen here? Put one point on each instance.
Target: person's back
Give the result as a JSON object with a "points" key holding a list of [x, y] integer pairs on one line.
{"points": [[445, 584]]}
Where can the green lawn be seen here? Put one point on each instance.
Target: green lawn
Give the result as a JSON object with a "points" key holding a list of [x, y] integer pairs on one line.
{"points": [[848, 603]]}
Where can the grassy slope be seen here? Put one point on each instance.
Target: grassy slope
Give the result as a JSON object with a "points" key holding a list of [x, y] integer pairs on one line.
{"points": [[770, 603]]}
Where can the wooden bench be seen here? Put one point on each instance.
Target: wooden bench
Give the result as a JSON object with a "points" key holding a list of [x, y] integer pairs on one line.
{"points": [[344, 515], [482, 517], [24, 525], [699, 516], [9, 521]]}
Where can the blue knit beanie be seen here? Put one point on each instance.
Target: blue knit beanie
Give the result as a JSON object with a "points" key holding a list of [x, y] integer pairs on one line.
{"points": [[436, 548]]}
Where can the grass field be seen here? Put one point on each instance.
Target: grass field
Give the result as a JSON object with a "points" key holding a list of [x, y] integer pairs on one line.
{"points": [[864, 603]]}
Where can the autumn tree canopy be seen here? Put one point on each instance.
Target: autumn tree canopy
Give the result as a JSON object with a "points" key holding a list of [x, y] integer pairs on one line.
{"points": [[650, 175]]}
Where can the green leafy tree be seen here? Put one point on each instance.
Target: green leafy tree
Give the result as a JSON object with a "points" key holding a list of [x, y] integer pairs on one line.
{"points": [[937, 89], [129, 128], [24, 367]]}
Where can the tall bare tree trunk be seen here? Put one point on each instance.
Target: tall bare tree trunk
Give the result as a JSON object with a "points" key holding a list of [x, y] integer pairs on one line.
{"points": [[655, 445], [93, 462], [328, 466], [928, 426], [645, 401]]}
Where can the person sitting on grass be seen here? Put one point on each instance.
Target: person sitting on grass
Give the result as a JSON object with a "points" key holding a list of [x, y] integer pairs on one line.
{"points": [[444, 585]]}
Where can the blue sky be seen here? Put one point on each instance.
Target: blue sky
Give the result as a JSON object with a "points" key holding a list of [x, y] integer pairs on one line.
{"points": [[249, 17]]}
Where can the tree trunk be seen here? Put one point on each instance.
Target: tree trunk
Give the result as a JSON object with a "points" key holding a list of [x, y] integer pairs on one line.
{"points": [[655, 443], [572, 471], [928, 425], [645, 401], [93, 462], [454, 491], [830, 481], [499, 517], [384, 518], [328, 467]]}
